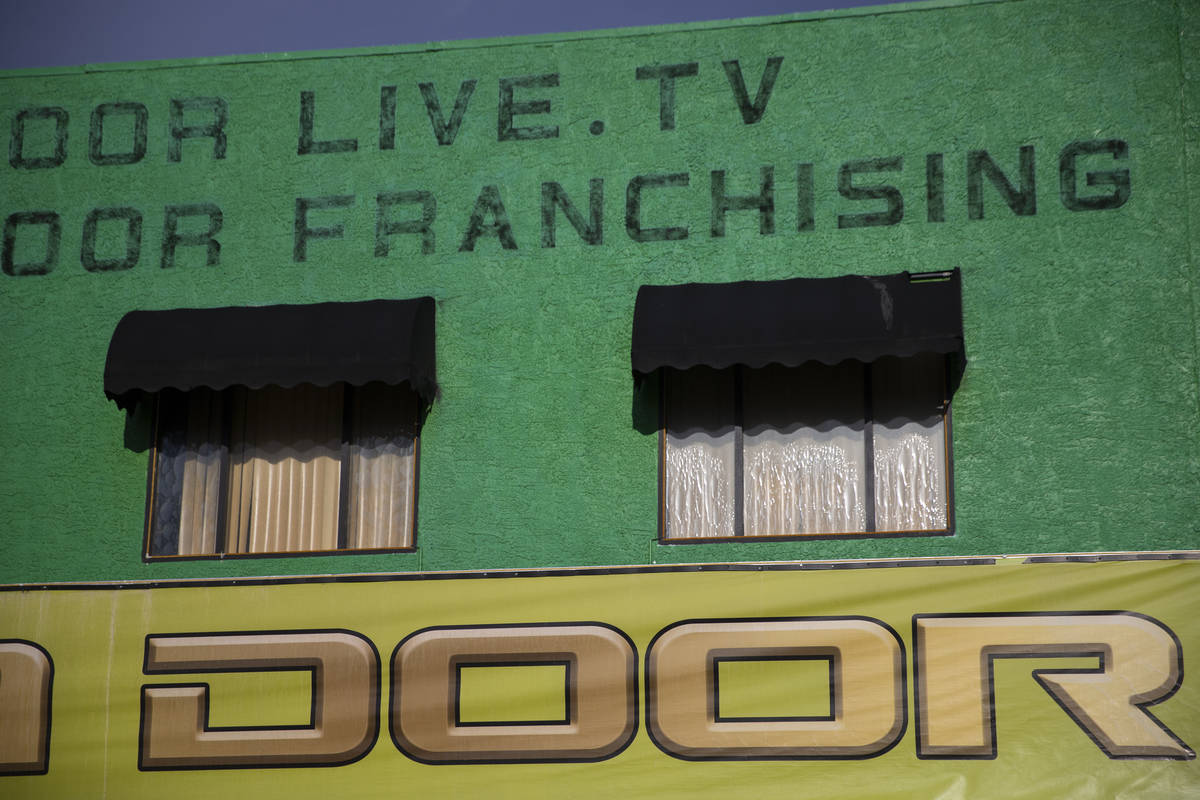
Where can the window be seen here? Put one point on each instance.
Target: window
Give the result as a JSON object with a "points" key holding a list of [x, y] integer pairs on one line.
{"points": [[779, 451], [280, 429], [274, 470], [803, 407]]}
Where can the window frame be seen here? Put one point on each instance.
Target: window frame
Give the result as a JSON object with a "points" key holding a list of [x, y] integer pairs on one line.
{"points": [[662, 379], [226, 396]]}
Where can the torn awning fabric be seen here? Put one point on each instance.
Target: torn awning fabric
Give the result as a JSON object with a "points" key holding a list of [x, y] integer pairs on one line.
{"points": [[799, 320], [386, 341]]}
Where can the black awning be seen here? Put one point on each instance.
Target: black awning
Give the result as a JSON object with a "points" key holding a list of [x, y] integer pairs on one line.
{"points": [[389, 341], [798, 320]]}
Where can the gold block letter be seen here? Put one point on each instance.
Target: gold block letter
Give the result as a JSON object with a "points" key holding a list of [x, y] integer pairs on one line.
{"points": [[345, 701]]}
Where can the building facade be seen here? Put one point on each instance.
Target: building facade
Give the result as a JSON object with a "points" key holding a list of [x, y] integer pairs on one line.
{"points": [[553, 345]]}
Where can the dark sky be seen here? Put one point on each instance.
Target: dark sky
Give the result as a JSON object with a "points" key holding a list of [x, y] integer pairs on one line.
{"points": [[41, 33]]}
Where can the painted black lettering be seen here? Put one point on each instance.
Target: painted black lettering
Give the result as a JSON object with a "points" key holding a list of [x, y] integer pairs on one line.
{"points": [[218, 110], [302, 231], [137, 149], [935, 188], [752, 112], [805, 198], [505, 131], [764, 201], [488, 204], [1023, 202], [590, 230], [173, 239], [446, 132], [633, 208], [16, 144], [1118, 179], [53, 224], [386, 227], [665, 75], [387, 117], [847, 189], [133, 239], [308, 145]]}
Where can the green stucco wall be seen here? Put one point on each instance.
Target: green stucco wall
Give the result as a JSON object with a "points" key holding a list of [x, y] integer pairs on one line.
{"points": [[1076, 427]]}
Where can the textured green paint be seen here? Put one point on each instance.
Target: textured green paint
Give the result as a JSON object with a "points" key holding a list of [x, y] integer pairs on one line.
{"points": [[1076, 427]]}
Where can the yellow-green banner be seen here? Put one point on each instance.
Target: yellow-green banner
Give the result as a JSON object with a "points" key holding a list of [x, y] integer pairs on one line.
{"points": [[964, 679]]}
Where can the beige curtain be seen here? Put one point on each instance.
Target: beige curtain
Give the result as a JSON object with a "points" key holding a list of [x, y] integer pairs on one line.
{"points": [[285, 470], [286, 456]]}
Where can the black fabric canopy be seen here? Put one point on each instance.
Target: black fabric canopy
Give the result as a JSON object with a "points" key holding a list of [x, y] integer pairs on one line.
{"points": [[794, 321], [389, 341]]}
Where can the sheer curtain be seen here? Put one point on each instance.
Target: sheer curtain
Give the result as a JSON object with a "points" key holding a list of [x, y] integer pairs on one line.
{"points": [[910, 444], [801, 443], [805, 459], [700, 456], [187, 474]]}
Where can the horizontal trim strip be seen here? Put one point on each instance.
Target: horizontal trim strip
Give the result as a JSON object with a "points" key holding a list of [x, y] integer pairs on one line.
{"points": [[740, 566]]}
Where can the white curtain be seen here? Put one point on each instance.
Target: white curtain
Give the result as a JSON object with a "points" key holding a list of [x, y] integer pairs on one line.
{"points": [[910, 479], [700, 487], [804, 453], [700, 454], [804, 485], [805, 449], [910, 444]]}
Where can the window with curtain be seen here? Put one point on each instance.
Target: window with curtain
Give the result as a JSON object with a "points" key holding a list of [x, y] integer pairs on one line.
{"points": [[283, 470], [803, 406], [319, 457], [794, 451]]}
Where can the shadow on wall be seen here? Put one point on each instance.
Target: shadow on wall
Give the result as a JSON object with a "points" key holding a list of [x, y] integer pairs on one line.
{"points": [[646, 392], [139, 427]]}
